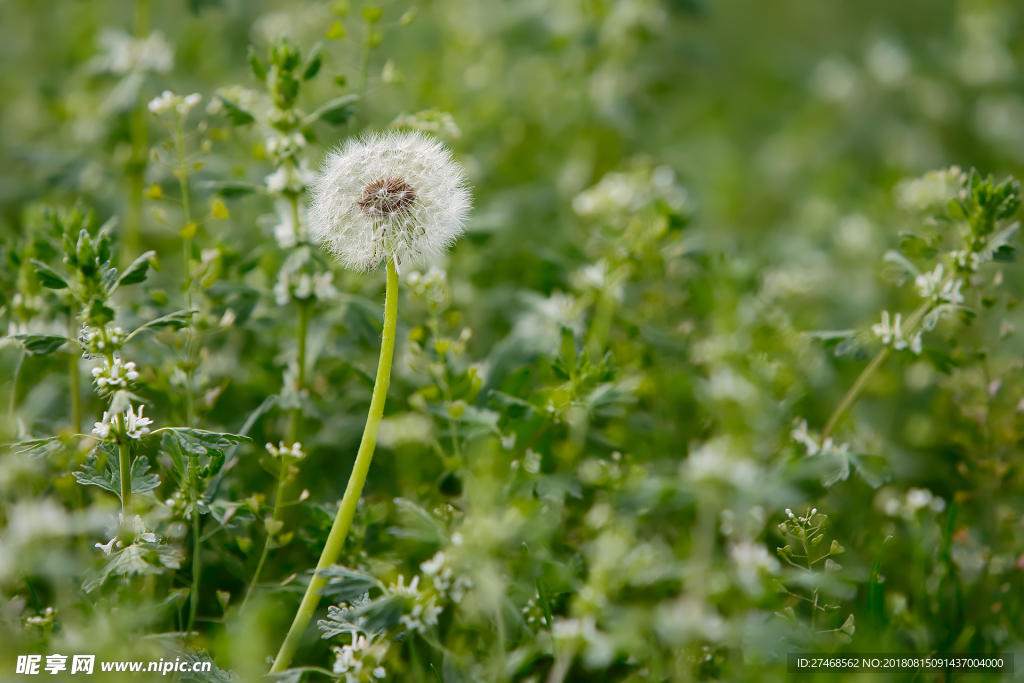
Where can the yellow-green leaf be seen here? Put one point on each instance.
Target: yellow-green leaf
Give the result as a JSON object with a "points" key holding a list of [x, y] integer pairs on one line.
{"points": [[336, 31], [219, 210]]}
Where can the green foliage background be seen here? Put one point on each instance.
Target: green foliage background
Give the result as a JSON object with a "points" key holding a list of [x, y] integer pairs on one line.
{"points": [[653, 517]]}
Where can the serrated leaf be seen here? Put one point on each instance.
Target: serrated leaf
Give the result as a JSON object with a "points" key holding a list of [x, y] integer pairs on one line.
{"points": [[48, 277], [136, 560], [346, 585], [418, 524], [200, 441], [42, 344], [110, 478]]}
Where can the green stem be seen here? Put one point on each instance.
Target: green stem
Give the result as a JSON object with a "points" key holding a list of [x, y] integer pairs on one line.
{"points": [[124, 459], [339, 530], [270, 534], [196, 539], [73, 378], [300, 380], [602, 324], [862, 380]]}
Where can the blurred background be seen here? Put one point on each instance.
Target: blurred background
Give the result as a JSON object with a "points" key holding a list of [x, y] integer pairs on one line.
{"points": [[784, 129]]}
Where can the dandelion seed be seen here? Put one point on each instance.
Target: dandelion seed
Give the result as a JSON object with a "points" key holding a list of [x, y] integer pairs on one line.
{"points": [[392, 195]]}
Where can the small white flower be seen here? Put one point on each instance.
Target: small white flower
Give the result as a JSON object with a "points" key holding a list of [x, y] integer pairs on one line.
{"points": [[323, 286], [162, 104], [137, 425], [434, 564], [107, 547], [379, 672], [188, 102], [294, 451], [390, 195], [102, 428]]}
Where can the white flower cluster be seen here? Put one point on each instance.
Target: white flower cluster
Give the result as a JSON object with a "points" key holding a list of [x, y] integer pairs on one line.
{"points": [[445, 582], [933, 190], [294, 451], [141, 534], [394, 195], [98, 342], [429, 121], [909, 505], [301, 286], [931, 285], [620, 195], [285, 146], [112, 377], [176, 104], [349, 660], [431, 287], [891, 334], [282, 224], [290, 178], [130, 424], [813, 445], [121, 53]]}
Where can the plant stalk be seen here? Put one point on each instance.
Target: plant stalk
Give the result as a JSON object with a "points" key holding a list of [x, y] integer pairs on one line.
{"points": [[862, 380], [73, 378], [300, 380], [270, 534], [339, 530], [124, 459]]}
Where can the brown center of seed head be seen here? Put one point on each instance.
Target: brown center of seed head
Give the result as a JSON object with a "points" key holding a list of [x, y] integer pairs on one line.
{"points": [[382, 198]]}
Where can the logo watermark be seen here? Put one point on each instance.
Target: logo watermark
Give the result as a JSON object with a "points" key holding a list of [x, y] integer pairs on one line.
{"points": [[86, 664]]}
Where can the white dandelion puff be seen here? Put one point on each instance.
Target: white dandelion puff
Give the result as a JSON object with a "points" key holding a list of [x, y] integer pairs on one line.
{"points": [[389, 195]]}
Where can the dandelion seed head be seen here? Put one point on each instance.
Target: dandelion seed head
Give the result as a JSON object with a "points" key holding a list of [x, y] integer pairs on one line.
{"points": [[393, 194]]}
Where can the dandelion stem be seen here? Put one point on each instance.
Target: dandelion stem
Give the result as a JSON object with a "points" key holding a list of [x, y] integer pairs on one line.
{"points": [[339, 530]]}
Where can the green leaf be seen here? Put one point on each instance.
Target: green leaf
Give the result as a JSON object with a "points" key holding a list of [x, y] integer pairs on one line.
{"points": [[229, 188], [109, 479], [48, 277], [136, 272], [42, 344], [236, 114], [346, 585], [136, 560], [316, 59], [99, 314], [258, 70], [335, 112], [177, 320], [200, 441]]}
